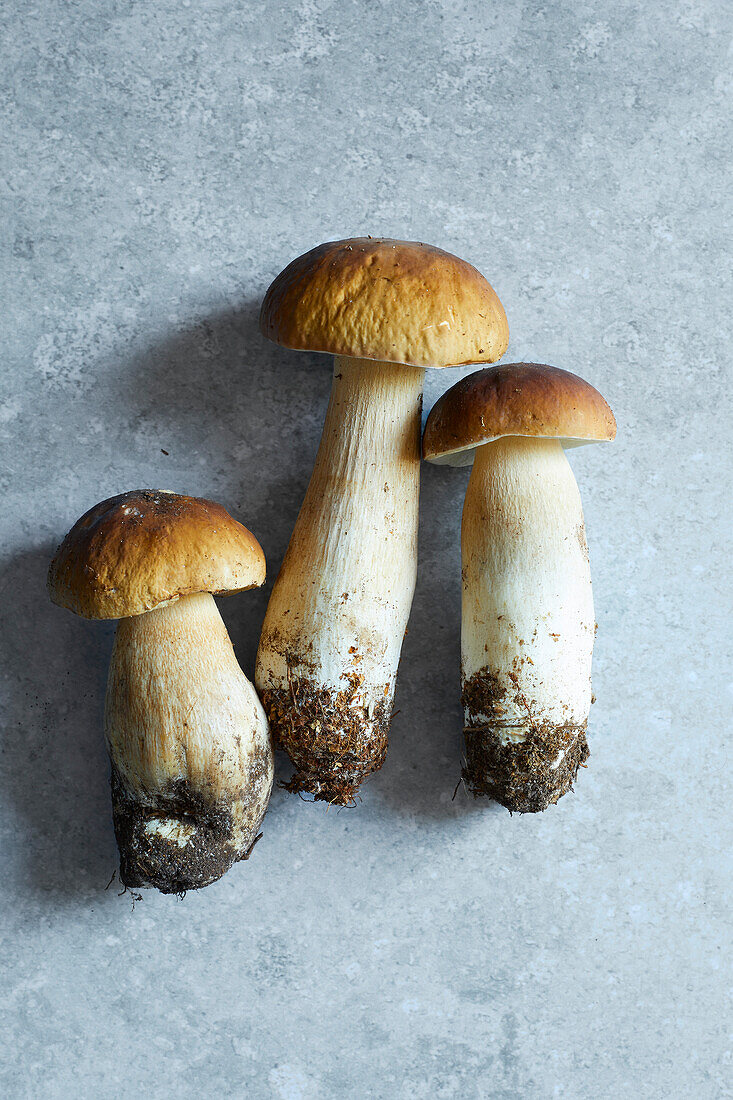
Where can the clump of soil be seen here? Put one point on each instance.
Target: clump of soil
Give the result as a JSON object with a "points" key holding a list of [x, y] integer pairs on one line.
{"points": [[525, 775], [483, 694], [332, 738], [150, 859], [520, 774]]}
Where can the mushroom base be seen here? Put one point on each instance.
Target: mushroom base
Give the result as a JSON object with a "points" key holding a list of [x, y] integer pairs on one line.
{"points": [[178, 841], [527, 768], [333, 741]]}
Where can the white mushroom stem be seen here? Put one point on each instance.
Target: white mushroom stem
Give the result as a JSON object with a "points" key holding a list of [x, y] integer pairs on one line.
{"points": [[528, 624], [191, 756], [334, 627]]}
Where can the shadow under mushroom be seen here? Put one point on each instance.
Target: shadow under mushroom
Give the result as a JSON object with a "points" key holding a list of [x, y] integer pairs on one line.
{"points": [[55, 773], [422, 774]]}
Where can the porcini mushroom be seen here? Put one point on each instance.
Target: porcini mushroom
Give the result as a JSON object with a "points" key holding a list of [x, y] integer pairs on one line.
{"points": [[528, 624], [192, 763], [332, 635]]}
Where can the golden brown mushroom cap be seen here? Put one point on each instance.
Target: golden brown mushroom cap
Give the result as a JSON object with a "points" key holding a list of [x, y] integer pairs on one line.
{"points": [[394, 301], [142, 549], [526, 399]]}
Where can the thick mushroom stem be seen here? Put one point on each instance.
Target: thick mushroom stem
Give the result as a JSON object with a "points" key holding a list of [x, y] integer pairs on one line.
{"points": [[528, 625], [331, 640], [192, 763]]}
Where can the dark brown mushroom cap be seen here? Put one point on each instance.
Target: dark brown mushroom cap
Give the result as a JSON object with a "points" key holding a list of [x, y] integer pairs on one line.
{"points": [[524, 399], [139, 550], [394, 301]]}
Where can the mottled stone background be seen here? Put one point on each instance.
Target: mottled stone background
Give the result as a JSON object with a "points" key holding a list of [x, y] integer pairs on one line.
{"points": [[161, 162]]}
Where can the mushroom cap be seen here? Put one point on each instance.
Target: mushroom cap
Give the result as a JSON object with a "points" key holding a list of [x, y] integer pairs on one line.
{"points": [[142, 549], [524, 399], [393, 301]]}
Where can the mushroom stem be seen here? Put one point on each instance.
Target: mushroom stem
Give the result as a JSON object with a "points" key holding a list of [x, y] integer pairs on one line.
{"points": [[331, 640], [528, 624], [188, 739]]}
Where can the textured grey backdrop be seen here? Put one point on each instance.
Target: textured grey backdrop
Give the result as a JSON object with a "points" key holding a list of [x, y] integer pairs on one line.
{"points": [[163, 161]]}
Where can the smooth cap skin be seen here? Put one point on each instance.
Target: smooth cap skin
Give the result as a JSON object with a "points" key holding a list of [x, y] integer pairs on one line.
{"points": [[139, 550], [525, 399], [394, 301]]}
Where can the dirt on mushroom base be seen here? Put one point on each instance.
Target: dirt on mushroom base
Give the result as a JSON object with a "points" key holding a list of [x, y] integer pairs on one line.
{"points": [[526, 775], [149, 859], [332, 738]]}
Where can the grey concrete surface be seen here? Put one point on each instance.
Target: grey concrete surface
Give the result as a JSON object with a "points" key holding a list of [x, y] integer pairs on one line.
{"points": [[161, 162]]}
